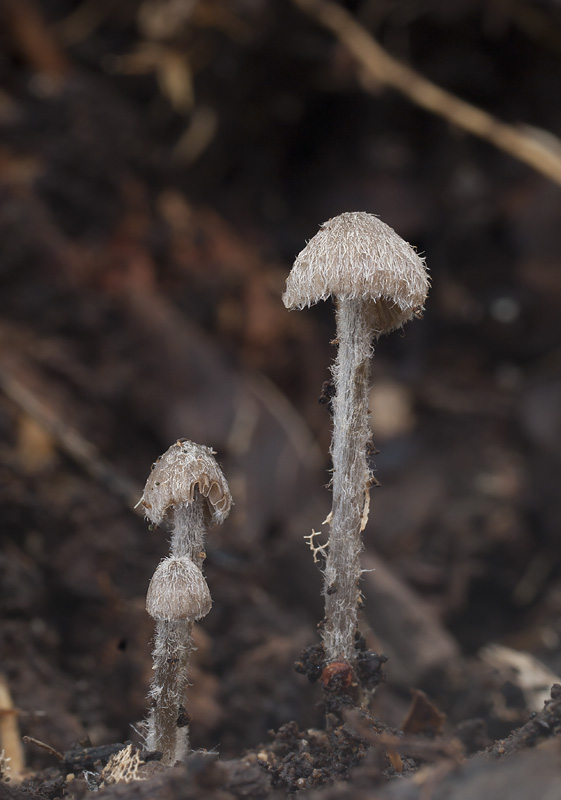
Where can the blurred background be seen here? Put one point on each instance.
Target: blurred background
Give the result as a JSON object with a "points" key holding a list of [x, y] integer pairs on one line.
{"points": [[162, 162]]}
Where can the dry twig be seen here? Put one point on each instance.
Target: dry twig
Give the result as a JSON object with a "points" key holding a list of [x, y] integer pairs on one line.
{"points": [[10, 741], [537, 149], [68, 439], [27, 29]]}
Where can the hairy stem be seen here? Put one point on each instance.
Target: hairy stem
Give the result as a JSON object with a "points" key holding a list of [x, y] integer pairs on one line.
{"points": [[168, 731], [351, 432], [188, 528], [167, 726]]}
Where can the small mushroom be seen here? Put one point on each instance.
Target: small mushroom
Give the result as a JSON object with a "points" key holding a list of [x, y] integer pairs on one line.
{"points": [[186, 488], [184, 470], [178, 590], [378, 283]]}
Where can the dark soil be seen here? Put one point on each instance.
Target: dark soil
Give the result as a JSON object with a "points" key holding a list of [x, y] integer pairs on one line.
{"points": [[161, 164]]}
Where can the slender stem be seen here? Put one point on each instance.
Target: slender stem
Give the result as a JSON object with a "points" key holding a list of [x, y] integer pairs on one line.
{"points": [[173, 644], [351, 432], [188, 526]]}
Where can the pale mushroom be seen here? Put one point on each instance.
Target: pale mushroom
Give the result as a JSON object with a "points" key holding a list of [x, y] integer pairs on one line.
{"points": [[378, 282], [177, 591], [176, 475], [186, 488]]}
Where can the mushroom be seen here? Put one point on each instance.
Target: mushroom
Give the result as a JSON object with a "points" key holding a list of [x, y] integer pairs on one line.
{"points": [[378, 283], [178, 590], [186, 487]]}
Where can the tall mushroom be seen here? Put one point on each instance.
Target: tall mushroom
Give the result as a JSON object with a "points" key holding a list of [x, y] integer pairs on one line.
{"points": [[378, 283], [187, 488]]}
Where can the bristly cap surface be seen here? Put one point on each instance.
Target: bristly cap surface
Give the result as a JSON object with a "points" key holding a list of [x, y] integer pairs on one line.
{"points": [[184, 469], [356, 256], [178, 590]]}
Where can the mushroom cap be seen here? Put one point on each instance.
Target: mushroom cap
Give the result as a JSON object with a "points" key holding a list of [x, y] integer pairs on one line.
{"points": [[182, 469], [356, 256], [177, 591]]}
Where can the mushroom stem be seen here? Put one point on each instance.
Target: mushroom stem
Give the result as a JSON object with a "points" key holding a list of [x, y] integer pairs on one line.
{"points": [[351, 476], [188, 529], [168, 731]]}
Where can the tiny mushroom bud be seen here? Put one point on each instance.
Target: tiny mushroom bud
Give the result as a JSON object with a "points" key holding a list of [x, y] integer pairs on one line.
{"points": [[378, 283], [178, 590]]}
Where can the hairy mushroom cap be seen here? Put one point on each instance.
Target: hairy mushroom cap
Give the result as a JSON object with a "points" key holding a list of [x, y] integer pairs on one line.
{"points": [[177, 591], [184, 468], [356, 256]]}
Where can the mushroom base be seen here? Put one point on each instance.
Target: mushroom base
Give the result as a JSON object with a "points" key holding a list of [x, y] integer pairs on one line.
{"points": [[168, 732]]}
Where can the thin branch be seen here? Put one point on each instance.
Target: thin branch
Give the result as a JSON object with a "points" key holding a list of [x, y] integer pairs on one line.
{"points": [[24, 22], [10, 741], [69, 440], [530, 148]]}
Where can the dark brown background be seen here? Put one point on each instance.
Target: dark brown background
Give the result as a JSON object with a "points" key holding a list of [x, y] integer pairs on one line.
{"points": [[158, 176]]}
